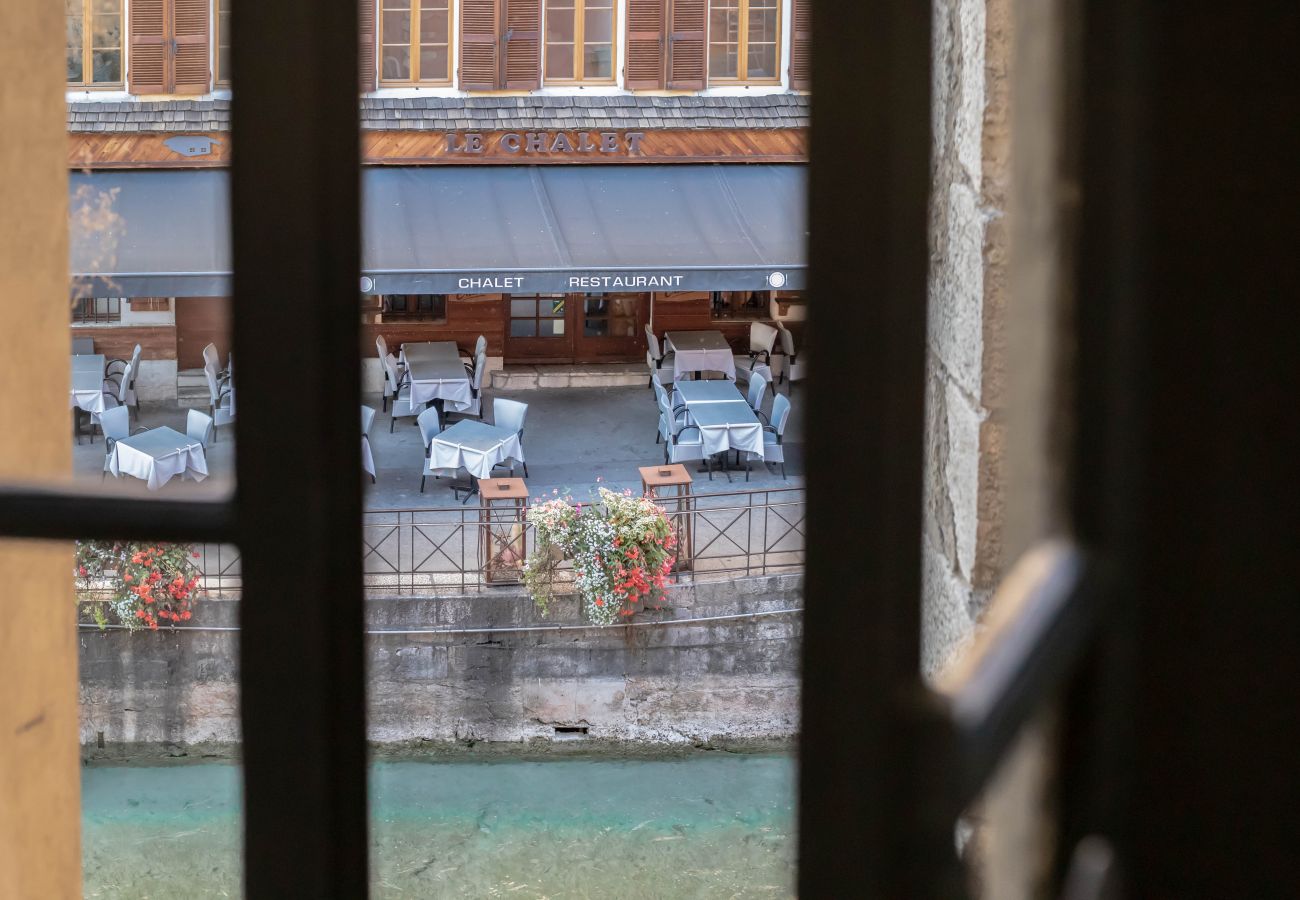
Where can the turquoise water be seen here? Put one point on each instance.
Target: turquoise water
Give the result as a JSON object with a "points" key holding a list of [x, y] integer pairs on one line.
{"points": [[707, 825]]}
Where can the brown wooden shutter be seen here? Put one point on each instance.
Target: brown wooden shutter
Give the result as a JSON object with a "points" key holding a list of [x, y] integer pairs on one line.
{"points": [[191, 67], [643, 69], [686, 46], [147, 59], [523, 45], [478, 45], [801, 46], [366, 34]]}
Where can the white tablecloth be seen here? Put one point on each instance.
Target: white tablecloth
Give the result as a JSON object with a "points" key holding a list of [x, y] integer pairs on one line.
{"points": [[475, 446], [693, 392], [727, 425], [156, 455], [700, 351], [437, 373], [87, 389]]}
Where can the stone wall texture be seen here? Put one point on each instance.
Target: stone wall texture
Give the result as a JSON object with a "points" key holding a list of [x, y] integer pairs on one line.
{"points": [[962, 547], [735, 679]]}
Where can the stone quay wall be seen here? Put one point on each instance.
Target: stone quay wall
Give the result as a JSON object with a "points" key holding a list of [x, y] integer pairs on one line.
{"points": [[725, 680]]}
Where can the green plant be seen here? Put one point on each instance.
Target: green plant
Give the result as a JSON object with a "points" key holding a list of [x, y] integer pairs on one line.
{"points": [[141, 584], [622, 548]]}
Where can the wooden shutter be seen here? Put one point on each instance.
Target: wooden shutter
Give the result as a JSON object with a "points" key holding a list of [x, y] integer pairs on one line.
{"points": [[801, 46], [643, 69], [147, 62], [523, 45], [191, 69], [478, 45], [366, 34], [686, 46]]}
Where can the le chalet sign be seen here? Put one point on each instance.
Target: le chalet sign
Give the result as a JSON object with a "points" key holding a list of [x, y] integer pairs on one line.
{"points": [[532, 143]]}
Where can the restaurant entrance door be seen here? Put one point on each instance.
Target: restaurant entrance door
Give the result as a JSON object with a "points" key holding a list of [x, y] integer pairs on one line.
{"points": [[567, 328]]}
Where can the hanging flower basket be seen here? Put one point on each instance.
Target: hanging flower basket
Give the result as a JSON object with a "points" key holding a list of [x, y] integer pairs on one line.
{"points": [[141, 585], [622, 549]]}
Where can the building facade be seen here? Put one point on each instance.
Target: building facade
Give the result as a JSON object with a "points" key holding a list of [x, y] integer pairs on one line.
{"points": [[551, 174]]}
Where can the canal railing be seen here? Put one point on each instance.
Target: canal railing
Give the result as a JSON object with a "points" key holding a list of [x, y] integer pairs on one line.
{"points": [[462, 549]]}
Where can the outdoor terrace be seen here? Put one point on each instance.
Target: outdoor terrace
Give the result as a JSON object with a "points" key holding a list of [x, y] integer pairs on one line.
{"points": [[573, 437]]}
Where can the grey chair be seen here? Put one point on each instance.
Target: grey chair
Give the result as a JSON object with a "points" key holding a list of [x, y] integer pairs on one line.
{"points": [[511, 415], [789, 366], [476, 373], [430, 427], [220, 398], [381, 346], [758, 381], [116, 424], [655, 359], [684, 441], [83, 346], [201, 427], [774, 434], [762, 340], [401, 392], [367, 453]]}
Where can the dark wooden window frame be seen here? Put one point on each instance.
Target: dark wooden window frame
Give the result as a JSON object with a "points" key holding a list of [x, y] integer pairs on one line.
{"points": [[886, 763]]}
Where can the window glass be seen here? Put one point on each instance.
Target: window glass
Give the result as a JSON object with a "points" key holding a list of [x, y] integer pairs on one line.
{"points": [[744, 40], [739, 304], [222, 20], [94, 41], [579, 40], [415, 42]]}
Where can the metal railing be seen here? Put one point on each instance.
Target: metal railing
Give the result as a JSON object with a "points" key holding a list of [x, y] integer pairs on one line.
{"points": [[443, 550]]}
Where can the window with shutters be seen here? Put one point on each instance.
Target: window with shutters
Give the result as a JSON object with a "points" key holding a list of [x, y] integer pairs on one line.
{"points": [[415, 42], [744, 41], [221, 22], [170, 50], [580, 41], [94, 45]]}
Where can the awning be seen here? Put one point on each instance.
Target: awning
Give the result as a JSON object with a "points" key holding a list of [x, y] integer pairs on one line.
{"points": [[447, 230]]}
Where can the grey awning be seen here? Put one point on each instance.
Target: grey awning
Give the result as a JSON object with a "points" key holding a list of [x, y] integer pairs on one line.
{"points": [[461, 229], [150, 233]]}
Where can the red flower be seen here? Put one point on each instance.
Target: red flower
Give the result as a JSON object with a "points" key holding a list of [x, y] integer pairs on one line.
{"points": [[81, 570]]}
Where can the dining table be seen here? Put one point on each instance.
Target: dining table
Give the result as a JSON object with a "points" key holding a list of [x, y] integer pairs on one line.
{"points": [[436, 372], [87, 387], [157, 455], [473, 446], [725, 419], [700, 351]]}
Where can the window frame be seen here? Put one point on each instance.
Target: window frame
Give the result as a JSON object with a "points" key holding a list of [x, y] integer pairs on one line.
{"points": [[579, 42], [220, 79], [413, 47], [112, 310], [88, 50], [742, 48]]}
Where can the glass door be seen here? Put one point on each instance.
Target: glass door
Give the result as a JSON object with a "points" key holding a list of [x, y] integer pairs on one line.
{"points": [[610, 327], [538, 329]]}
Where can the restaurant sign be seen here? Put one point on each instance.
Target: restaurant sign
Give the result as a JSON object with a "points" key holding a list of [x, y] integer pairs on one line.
{"points": [[558, 143], [562, 281]]}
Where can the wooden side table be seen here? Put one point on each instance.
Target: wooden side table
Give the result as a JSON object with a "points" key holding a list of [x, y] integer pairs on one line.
{"points": [[503, 543], [670, 487]]}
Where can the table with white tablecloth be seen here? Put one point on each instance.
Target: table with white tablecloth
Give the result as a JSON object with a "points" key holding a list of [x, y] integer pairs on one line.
{"points": [[158, 455], [727, 425], [695, 392], [473, 446], [87, 387], [700, 351], [437, 373]]}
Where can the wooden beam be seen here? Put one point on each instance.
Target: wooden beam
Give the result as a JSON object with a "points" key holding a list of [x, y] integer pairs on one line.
{"points": [[40, 801]]}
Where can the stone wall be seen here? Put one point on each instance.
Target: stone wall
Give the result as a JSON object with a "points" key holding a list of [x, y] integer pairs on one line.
{"points": [[962, 546], [733, 679]]}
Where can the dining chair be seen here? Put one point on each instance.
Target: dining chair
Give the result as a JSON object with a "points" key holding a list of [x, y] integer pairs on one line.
{"points": [[774, 434], [401, 392], [684, 442], [655, 358], [201, 427], [510, 415], [762, 340], [116, 424], [430, 427], [758, 382], [220, 398]]}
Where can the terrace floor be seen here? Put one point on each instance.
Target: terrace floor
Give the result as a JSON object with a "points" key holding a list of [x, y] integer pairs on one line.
{"points": [[573, 436]]}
